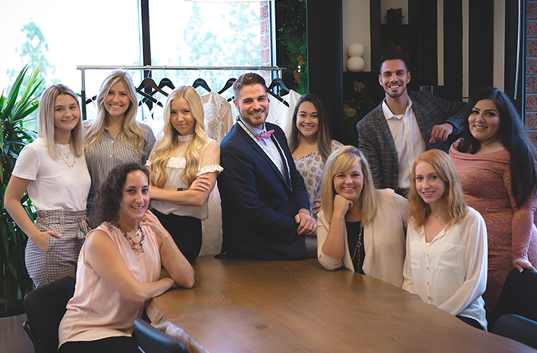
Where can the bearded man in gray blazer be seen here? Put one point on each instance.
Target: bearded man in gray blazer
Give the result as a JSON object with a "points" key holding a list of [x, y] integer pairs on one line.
{"points": [[406, 124]]}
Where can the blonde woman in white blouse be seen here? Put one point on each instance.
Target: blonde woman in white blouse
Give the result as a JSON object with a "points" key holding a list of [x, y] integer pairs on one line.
{"points": [[184, 165], [446, 244]]}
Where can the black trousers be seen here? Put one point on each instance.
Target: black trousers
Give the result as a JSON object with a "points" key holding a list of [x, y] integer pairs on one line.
{"points": [[470, 322], [185, 231], [122, 344]]}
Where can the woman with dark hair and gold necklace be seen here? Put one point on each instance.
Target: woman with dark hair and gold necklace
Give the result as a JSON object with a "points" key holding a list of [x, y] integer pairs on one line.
{"points": [[119, 267]]}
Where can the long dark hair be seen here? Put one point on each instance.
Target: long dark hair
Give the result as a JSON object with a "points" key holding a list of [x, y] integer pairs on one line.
{"points": [[514, 139], [110, 194], [324, 141]]}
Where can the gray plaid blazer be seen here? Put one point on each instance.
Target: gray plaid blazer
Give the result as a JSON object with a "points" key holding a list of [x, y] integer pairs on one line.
{"points": [[376, 141]]}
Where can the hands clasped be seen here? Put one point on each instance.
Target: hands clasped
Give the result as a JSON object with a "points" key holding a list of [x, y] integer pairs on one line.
{"points": [[306, 223]]}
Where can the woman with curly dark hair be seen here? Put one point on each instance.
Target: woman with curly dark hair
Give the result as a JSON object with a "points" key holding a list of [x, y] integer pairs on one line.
{"points": [[119, 267]]}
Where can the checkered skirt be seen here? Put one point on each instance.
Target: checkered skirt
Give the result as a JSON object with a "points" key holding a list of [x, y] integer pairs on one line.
{"points": [[61, 256]]}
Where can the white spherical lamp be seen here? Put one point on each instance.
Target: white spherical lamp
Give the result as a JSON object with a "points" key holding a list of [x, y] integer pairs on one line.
{"points": [[356, 49], [355, 64]]}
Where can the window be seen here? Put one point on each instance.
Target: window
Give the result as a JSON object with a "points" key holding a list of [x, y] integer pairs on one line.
{"points": [[62, 34]]}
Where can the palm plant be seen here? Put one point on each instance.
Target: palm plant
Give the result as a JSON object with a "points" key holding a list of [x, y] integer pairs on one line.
{"points": [[13, 137]]}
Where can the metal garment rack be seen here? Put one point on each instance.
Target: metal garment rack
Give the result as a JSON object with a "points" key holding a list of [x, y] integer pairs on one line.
{"points": [[83, 69]]}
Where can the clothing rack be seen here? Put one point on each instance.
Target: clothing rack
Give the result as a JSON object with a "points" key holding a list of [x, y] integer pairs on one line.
{"points": [[83, 69]]}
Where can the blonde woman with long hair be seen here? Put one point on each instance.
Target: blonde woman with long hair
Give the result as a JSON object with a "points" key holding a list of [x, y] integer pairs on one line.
{"points": [[53, 170], [360, 228], [446, 244], [184, 165], [114, 136]]}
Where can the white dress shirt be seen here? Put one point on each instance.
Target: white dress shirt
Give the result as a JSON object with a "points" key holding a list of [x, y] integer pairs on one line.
{"points": [[269, 147], [450, 272], [408, 141]]}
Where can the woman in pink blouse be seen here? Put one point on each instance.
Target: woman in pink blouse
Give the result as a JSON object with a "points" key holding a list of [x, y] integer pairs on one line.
{"points": [[496, 163], [119, 267], [311, 145]]}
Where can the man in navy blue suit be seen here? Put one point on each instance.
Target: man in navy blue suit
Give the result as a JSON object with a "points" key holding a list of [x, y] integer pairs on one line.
{"points": [[265, 207]]}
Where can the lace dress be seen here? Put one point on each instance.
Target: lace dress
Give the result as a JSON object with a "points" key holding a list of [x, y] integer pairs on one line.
{"points": [[218, 121], [486, 185], [311, 168]]}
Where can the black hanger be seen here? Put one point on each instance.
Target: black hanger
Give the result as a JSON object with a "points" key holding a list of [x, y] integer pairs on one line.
{"points": [[277, 82], [228, 84], [146, 98], [89, 100], [201, 82], [278, 98], [149, 82], [166, 82]]}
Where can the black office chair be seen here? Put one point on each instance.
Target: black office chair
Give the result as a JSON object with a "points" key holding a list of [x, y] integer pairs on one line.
{"points": [[45, 307], [517, 328], [152, 340], [518, 297]]}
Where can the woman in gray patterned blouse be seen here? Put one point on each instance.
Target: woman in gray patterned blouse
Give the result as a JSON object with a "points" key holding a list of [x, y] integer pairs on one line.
{"points": [[114, 136], [311, 145]]}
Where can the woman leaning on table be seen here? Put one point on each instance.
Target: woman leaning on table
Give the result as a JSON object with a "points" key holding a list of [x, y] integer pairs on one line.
{"points": [[446, 244], [311, 145], [119, 267], [359, 227], [496, 162], [114, 136]]}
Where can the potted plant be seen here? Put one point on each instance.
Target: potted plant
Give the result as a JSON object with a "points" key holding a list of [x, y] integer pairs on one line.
{"points": [[14, 280], [14, 108]]}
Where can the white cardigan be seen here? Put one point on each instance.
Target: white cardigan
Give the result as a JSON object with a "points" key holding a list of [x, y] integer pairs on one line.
{"points": [[384, 240]]}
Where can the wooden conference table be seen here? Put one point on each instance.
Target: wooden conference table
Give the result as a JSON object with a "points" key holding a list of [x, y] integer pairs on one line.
{"points": [[296, 306]]}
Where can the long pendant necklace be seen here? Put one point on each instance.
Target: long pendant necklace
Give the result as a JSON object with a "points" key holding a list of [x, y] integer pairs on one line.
{"points": [[66, 158], [358, 246], [138, 247]]}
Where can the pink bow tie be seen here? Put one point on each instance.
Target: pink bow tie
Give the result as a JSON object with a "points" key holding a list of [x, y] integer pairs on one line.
{"points": [[264, 135]]}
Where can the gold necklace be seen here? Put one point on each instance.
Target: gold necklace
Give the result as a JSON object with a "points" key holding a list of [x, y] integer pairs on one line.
{"points": [[137, 247], [66, 157], [358, 246]]}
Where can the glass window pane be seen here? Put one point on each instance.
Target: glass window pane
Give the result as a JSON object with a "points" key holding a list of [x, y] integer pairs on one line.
{"points": [[62, 34], [186, 33]]}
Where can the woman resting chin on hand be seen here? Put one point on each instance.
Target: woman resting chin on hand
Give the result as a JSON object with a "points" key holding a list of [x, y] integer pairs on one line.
{"points": [[360, 228]]}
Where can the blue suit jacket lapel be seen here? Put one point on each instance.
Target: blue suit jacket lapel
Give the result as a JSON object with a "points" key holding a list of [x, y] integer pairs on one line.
{"points": [[263, 155]]}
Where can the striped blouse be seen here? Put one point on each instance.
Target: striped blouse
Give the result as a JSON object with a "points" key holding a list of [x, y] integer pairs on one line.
{"points": [[111, 152]]}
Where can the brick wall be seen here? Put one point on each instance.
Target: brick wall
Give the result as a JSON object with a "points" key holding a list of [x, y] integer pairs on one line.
{"points": [[531, 74], [264, 22], [531, 70]]}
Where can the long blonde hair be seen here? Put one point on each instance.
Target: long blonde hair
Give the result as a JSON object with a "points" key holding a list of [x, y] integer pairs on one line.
{"points": [[46, 121], [167, 145], [454, 208], [131, 130], [338, 162]]}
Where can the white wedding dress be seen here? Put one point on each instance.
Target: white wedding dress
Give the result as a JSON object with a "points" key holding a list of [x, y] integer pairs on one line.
{"points": [[218, 121]]}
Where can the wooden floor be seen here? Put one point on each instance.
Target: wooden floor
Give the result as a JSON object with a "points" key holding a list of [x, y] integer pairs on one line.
{"points": [[296, 306]]}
